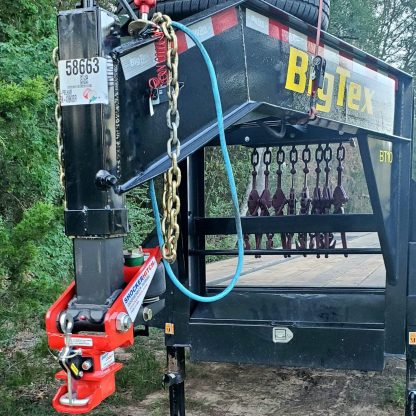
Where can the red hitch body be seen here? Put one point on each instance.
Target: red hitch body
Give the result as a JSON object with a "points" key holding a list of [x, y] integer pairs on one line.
{"points": [[99, 383]]}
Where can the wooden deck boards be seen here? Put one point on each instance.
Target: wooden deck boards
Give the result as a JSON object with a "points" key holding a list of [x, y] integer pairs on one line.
{"points": [[298, 271]]}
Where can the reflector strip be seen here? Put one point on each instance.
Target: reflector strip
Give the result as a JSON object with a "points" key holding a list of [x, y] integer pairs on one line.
{"points": [[144, 58], [284, 33]]}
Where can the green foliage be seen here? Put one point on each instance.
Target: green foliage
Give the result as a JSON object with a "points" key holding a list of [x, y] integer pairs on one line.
{"points": [[28, 164], [53, 262], [218, 197], [385, 28], [141, 375], [18, 244], [354, 21], [15, 97], [30, 19], [141, 220], [29, 189]]}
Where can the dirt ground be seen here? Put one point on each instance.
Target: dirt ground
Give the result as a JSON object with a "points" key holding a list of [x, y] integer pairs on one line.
{"points": [[214, 389], [235, 390]]}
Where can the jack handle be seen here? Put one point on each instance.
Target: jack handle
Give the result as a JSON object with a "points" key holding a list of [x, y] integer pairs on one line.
{"points": [[144, 7], [138, 25]]}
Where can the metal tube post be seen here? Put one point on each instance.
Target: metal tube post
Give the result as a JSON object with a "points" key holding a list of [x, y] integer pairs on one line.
{"points": [[175, 379]]}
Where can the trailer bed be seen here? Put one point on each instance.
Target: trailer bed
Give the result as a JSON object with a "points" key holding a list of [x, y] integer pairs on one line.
{"points": [[297, 271]]}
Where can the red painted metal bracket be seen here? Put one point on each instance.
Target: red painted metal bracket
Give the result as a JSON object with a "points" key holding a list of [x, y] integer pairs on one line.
{"points": [[95, 386]]}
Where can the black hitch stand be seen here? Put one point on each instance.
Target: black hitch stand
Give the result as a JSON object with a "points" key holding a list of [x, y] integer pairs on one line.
{"points": [[410, 404], [175, 379], [410, 384]]}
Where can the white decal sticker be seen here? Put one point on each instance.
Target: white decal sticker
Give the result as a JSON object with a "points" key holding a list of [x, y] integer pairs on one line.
{"points": [[83, 81], [133, 299], [81, 342], [203, 31], [257, 22], [107, 359], [282, 335], [331, 55], [298, 39], [138, 61]]}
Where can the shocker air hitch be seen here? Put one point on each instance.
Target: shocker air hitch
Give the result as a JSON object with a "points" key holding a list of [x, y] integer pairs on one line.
{"points": [[86, 355]]}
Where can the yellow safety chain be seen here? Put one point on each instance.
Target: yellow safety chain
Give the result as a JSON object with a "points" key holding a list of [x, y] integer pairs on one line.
{"points": [[58, 119], [172, 178]]}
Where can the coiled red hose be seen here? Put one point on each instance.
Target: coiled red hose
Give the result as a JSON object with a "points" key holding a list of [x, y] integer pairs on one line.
{"points": [[162, 76]]}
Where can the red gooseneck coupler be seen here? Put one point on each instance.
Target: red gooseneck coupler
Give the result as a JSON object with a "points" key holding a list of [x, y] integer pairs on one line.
{"points": [[87, 359]]}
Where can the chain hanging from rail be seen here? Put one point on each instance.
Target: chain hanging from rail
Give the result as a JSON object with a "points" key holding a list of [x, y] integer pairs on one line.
{"points": [[340, 197], [265, 201], [172, 178], [305, 200], [328, 238], [291, 207], [253, 200], [315, 238], [279, 200]]}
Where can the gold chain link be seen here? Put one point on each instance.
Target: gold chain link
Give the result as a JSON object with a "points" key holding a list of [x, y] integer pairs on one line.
{"points": [[172, 178], [58, 119]]}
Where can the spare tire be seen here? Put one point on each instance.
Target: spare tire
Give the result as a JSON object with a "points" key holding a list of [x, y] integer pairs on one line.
{"points": [[307, 10]]}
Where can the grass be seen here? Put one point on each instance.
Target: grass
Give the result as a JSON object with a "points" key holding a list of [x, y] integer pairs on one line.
{"points": [[26, 368], [26, 381], [141, 375], [396, 394]]}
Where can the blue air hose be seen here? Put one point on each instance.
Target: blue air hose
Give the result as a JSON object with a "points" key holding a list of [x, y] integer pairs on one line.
{"points": [[230, 176]]}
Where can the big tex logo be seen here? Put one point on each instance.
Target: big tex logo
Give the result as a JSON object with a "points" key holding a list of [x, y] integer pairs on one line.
{"points": [[348, 93]]}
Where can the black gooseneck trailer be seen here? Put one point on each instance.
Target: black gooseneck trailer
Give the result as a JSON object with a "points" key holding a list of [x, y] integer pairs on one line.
{"points": [[261, 56]]}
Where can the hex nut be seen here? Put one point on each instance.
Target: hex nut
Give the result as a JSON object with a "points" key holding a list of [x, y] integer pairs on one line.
{"points": [[147, 314], [123, 322]]}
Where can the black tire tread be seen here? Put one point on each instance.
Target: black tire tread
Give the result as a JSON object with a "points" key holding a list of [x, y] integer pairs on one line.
{"points": [[307, 10]]}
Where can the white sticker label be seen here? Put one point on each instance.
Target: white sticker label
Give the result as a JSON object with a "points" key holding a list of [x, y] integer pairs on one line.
{"points": [[257, 21], [83, 81], [138, 61], [133, 299], [203, 30], [107, 359], [282, 335], [81, 342]]}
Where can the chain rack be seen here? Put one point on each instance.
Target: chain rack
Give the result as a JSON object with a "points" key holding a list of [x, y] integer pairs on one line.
{"points": [[320, 203]]}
